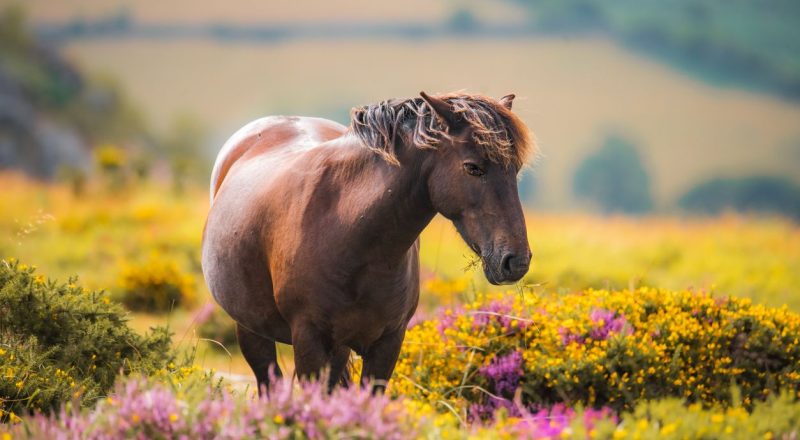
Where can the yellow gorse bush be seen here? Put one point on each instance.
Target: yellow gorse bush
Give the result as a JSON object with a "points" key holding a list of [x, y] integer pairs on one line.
{"points": [[67, 235], [444, 292], [109, 157], [156, 285], [599, 348]]}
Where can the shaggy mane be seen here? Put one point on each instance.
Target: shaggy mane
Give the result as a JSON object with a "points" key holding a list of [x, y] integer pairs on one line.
{"points": [[505, 139]]}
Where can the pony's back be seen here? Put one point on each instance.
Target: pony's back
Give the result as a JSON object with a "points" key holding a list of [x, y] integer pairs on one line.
{"points": [[267, 134]]}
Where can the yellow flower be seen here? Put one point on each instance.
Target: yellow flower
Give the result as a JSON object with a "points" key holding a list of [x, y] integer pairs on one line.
{"points": [[278, 419], [13, 418], [669, 428]]}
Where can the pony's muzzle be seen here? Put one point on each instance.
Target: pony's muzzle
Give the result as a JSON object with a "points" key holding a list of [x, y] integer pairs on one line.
{"points": [[508, 269]]}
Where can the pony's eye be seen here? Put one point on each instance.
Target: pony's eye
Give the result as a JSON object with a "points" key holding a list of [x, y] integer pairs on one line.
{"points": [[473, 170]]}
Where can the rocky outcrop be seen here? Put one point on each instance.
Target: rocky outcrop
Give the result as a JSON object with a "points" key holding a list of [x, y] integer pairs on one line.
{"points": [[36, 88], [31, 141]]}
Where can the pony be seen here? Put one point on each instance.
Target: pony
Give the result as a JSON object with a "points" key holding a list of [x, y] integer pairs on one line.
{"points": [[312, 237]]}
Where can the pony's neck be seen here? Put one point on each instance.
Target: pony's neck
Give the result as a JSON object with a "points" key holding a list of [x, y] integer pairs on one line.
{"points": [[391, 202]]}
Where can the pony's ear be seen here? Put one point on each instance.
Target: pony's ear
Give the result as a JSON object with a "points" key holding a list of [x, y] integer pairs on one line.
{"points": [[507, 100], [441, 109]]}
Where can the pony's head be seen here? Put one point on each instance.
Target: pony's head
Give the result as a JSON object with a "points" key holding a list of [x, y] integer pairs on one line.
{"points": [[478, 147], [474, 180]]}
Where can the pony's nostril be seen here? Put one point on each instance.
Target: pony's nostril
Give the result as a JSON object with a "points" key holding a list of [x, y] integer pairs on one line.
{"points": [[505, 263]]}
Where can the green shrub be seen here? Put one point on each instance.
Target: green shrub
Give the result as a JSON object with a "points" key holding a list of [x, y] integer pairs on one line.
{"points": [[59, 341], [30, 381], [157, 285]]}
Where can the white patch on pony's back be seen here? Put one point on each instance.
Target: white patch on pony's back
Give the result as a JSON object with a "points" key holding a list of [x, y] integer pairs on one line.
{"points": [[248, 130]]}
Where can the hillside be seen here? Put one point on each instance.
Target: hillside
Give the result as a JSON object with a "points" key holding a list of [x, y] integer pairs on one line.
{"points": [[664, 82], [253, 11], [572, 92]]}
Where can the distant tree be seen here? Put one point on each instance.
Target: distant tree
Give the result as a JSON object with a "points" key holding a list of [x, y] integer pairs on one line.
{"points": [[614, 178], [463, 21], [761, 194]]}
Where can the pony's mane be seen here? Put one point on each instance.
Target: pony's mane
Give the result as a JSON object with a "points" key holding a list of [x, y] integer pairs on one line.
{"points": [[505, 139]]}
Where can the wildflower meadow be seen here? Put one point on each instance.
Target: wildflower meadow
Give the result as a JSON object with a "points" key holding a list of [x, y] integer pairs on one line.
{"points": [[656, 327]]}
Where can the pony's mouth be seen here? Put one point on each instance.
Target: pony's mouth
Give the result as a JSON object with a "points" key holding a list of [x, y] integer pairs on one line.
{"points": [[495, 276], [491, 269], [495, 262]]}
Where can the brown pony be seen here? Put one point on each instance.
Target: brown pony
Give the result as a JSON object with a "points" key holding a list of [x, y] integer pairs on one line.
{"points": [[313, 234]]}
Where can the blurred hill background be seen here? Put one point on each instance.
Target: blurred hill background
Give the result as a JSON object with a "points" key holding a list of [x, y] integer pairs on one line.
{"points": [[638, 106]]}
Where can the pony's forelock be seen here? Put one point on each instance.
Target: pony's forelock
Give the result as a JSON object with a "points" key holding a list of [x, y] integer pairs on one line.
{"points": [[504, 138]]}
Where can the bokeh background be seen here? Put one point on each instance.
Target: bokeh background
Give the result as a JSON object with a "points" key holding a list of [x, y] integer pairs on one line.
{"points": [[654, 98], [669, 132]]}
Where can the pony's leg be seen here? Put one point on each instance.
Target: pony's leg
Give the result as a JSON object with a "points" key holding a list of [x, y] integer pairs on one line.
{"points": [[340, 371], [380, 360], [311, 353], [261, 354]]}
